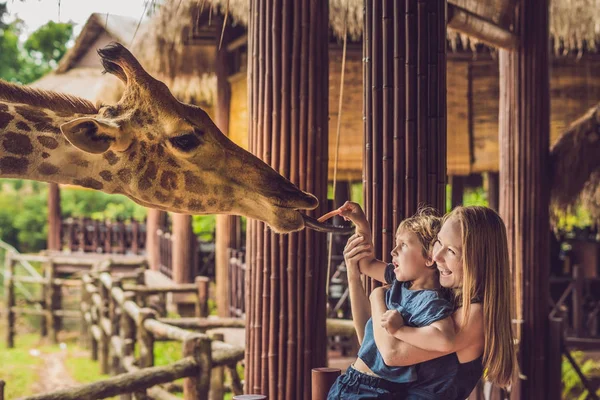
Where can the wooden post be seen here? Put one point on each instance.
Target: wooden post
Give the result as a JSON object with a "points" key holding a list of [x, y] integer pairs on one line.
{"points": [[457, 184], [85, 307], [555, 349], [9, 289], [493, 190], [102, 317], [196, 387], [288, 114], [182, 247], [54, 217], [2, 384], [524, 126], [140, 279], [51, 306], [128, 335], [145, 338], [322, 380], [152, 246], [217, 375], [577, 300], [202, 283]]}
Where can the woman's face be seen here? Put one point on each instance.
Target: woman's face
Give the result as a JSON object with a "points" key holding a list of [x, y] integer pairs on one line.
{"points": [[447, 253]]}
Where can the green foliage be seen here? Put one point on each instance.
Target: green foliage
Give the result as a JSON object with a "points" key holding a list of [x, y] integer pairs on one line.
{"points": [[27, 61], [18, 367], [204, 227], [570, 220], [475, 197], [572, 386], [98, 205]]}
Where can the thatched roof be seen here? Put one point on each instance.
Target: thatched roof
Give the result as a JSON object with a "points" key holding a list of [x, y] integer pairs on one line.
{"points": [[165, 48], [573, 23], [575, 162], [79, 72]]}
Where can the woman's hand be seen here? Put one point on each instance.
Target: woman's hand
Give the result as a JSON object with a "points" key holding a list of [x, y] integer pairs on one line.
{"points": [[391, 321], [356, 249]]}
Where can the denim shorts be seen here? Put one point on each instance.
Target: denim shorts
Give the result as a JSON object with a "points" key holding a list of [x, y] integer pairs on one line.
{"points": [[355, 385]]}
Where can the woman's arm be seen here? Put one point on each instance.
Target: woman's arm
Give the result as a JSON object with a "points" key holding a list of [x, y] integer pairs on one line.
{"points": [[399, 353], [354, 252], [439, 336]]}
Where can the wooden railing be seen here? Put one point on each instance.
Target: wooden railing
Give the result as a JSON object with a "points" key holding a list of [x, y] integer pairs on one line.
{"points": [[92, 236], [237, 276], [203, 261]]}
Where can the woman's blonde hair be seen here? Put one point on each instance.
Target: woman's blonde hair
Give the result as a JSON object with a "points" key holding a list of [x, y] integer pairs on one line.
{"points": [[426, 224], [486, 277]]}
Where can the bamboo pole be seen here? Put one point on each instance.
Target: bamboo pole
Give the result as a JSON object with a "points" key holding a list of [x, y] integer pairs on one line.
{"points": [[524, 162]]}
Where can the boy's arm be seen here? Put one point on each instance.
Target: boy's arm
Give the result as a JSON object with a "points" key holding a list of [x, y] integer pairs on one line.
{"points": [[359, 305], [439, 336]]}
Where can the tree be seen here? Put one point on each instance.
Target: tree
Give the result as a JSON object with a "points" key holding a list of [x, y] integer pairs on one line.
{"points": [[28, 61]]}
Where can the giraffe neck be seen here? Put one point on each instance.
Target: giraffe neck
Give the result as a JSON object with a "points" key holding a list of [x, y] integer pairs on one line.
{"points": [[33, 147]]}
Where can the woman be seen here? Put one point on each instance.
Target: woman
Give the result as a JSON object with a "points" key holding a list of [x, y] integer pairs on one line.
{"points": [[471, 253]]}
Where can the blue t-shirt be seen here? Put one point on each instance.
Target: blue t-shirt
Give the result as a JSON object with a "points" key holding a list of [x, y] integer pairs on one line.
{"points": [[418, 308]]}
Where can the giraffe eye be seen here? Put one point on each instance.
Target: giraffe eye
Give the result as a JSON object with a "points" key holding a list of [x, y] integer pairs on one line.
{"points": [[185, 142]]}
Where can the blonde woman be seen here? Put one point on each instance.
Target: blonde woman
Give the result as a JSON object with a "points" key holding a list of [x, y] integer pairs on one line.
{"points": [[471, 254]]}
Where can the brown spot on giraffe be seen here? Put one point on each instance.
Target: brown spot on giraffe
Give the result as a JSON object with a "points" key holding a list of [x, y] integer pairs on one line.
{"points": [[177, 202], [211, 202], [160, 197], [89, 183], [192, 182], [106, 175], [160, 150], [224, 191], [195, 205], [80, 162], [132, 155], [22, 126], [47, 169], [47, 127], [13, 165], [168, 180], [45, 155], [124, 175], [3, 107], [111, 157], [33, 115], [148, 177], [5, 118], [17, 143], [48, 142], [172, 162]]}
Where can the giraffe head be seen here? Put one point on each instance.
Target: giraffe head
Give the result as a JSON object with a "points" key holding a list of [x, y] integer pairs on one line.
{"points": [[170, 155]]}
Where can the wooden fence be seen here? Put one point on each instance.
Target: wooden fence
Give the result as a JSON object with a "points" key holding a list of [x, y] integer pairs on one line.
{"points": [[92, 236]]}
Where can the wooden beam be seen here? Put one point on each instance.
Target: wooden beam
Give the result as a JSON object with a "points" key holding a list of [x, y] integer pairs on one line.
{"points": [[480, 28], [54, 217]]}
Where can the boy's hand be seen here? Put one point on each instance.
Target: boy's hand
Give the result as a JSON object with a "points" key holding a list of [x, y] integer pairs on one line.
{"points": [[391, 321], [352, 211]]}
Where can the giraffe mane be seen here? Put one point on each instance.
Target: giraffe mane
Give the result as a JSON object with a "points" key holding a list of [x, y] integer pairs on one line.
{"points": [[54, 101]]}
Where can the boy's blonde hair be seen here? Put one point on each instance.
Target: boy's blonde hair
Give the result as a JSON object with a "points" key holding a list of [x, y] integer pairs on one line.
{"points": [[486, 277], [426, 224]]}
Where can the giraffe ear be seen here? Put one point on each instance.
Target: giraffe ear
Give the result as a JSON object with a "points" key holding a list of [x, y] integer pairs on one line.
{"points": [[94, 135]]}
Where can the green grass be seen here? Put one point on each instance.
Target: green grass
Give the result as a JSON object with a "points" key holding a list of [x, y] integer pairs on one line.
{"points": [[17, 366]]}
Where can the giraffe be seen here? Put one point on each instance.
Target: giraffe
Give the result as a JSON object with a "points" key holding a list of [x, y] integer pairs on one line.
{"points": [[157, 151]]}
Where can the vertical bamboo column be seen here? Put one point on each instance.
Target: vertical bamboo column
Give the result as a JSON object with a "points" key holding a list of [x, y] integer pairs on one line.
{"points": [[404, 113], [288, 129], [524, 163], [226, 225]]}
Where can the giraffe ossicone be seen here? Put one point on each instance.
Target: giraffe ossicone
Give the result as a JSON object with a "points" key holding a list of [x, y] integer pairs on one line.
{"points": [[150, 147]]}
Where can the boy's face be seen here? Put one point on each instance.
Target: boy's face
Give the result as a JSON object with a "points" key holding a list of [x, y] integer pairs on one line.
{"points": [[407, 257]]}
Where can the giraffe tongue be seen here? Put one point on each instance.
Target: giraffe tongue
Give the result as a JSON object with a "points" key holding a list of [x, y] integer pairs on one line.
{"points": [[312, 223]]}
